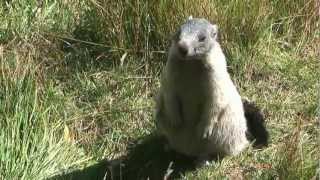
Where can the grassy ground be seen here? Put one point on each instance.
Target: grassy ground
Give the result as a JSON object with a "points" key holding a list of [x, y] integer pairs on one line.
{"points": [[77, 81]]}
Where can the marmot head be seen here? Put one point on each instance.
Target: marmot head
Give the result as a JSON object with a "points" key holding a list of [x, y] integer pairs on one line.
{"points": [[195, 38]]}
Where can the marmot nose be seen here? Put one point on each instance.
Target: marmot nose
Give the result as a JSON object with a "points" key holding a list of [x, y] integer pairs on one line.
{"points": [[183, 48]]}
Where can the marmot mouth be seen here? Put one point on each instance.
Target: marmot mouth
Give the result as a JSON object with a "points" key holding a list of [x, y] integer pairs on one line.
{"points": [[193, 57]]}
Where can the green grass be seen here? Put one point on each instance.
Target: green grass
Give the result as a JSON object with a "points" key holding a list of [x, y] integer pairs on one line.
{"points": [[78, 78]]}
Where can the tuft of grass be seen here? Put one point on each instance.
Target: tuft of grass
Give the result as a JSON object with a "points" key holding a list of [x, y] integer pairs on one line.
{"points": [[32, 146], [77, 81]]}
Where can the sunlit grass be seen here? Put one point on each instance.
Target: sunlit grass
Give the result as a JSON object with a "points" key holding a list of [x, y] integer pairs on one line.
{"points": [[77, 81]]}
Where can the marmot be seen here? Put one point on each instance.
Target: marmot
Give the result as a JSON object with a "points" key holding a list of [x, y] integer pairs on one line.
{"points": [[198, 109]]}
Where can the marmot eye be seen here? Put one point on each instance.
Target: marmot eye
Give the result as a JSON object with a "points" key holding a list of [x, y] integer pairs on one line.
{"points": [[201, 38]]}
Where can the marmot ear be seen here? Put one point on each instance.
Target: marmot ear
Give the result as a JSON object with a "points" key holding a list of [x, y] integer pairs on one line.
{"points": [[176, 35], [214, 31]]}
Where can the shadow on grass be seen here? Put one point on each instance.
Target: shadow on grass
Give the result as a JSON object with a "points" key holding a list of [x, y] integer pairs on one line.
{"points": [[145, 159]]}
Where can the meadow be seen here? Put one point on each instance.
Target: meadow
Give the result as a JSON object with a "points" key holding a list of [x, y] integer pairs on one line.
{"points": [[78, 81]]}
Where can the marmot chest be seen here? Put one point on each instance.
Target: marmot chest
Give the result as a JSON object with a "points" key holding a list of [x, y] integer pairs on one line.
{"points": [[193, 82]]}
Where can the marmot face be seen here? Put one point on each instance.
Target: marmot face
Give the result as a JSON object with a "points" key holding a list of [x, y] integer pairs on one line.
{"points": [[194, 39]]}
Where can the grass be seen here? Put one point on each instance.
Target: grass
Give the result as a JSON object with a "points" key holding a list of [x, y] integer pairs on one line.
{"points": [[77, 81]]}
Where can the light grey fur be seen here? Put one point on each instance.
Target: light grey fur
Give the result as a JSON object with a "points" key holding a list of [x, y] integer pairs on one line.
{"points": [[198, 108]]}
